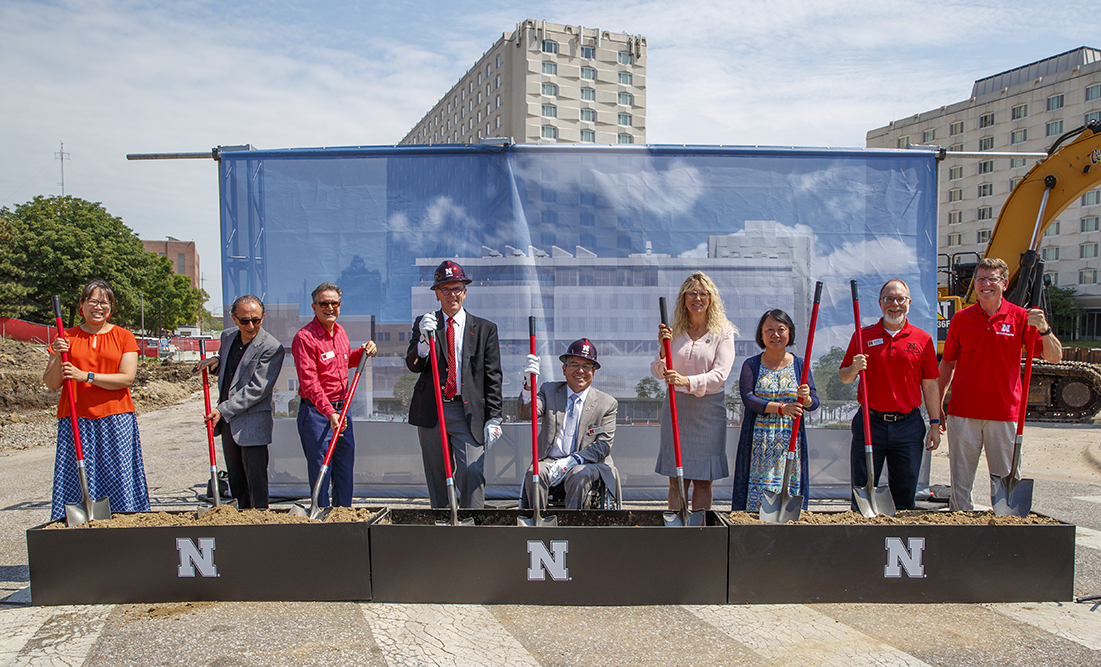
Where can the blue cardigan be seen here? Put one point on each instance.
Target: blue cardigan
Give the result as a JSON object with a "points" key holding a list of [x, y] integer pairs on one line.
{"points": [[754, 405]]}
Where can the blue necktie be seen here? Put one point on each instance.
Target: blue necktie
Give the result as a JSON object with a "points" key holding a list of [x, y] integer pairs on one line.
{"points": [[569, 427]]}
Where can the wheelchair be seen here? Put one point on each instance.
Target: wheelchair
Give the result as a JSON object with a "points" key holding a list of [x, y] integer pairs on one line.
{"points": [[599, 496]]}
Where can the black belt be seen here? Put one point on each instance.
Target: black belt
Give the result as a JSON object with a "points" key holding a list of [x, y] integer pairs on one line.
{"points": [[336, 404], [458, 398], [891, 416]]}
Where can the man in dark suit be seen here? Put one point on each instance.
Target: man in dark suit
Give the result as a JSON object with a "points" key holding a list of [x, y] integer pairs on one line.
{"points": [[251, 361], [469, 358], [576, 430]]}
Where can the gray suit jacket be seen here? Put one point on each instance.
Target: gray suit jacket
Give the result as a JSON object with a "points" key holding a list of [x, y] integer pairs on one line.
{"points": [[248, 405], [596, 427]]}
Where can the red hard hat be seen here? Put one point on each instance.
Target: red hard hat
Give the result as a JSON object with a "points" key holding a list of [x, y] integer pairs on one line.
{"points": [[583, 348], [449, 272]]}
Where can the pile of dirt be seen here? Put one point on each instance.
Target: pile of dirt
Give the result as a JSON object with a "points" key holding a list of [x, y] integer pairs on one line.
{"points": [[28, 409], [987, 518], [218, 516]]}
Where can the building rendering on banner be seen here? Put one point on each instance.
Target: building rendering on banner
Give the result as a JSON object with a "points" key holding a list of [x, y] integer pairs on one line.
{"points": [[546, 82], [1021, 110]]}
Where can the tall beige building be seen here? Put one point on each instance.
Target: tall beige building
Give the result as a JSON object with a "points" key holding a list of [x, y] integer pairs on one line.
{"points": [[546, 83], [1023, 110]]}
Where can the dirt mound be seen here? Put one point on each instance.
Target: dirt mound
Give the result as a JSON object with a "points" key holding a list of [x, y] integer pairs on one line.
{"points": [[903, 517], [219, 516]]}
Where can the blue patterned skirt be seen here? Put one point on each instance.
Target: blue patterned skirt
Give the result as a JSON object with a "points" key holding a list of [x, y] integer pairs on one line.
{"points": [[112, 456]]}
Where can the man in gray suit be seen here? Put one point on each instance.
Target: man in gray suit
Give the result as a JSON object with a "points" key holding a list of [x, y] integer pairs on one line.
{"points": [[252, 359], [576, 430]]}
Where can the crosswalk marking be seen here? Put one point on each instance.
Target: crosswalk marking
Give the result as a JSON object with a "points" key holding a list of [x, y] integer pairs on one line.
{"points": [[1080, 623], [437, 634], [64, 637], [798, 635]]}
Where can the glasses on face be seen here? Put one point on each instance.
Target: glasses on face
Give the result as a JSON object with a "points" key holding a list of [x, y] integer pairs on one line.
{"points": [[894, 299], [989, 281], [694, 294], [777, 331], [586, 368], [450, 291], [324, 305], [98, 303], [249, 320]]}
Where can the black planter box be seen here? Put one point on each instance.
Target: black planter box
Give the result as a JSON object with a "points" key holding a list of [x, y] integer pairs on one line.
{"points": [[590, 558], [900, 563], [291, 562]]}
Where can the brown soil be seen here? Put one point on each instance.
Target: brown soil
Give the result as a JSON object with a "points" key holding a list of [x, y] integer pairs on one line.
{"points": [[217, 516], [903, 517], [168, 610]]}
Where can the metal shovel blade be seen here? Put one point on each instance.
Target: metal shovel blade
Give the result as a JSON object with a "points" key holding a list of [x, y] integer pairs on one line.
{"points": [[454, 503], [206, 508], [780, 507], [77, 513], [313, 512], [1011, 497], [876, 503], [672, 518], [536, 521]]}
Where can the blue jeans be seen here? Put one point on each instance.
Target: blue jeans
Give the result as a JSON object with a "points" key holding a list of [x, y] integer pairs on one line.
{"points": [[901, 444], [315, 433]]}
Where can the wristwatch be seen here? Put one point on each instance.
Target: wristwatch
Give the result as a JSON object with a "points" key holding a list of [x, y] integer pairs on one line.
{"points": [[934, 421], [91, 376], [1045, 333]]}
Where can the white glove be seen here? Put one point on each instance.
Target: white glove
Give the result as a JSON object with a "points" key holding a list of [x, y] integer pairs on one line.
{"points": [[557, 470], [428, 323], [492, 432], [531, 367]]}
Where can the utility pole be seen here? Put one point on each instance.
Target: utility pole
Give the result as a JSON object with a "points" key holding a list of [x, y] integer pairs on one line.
{"points": [[62, 156]]}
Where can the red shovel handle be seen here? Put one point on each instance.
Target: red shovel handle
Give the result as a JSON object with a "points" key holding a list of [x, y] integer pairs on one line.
{"points": [[1030, 344], [206, 402], [343, 411], [69, 388], [862, 390], [672, 390], [806, 362], [439, 403], [534, 409]]}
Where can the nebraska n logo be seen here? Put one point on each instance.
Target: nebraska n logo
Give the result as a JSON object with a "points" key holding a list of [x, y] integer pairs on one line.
{"points": [[542, 562], [192, 557], [904, 557]]}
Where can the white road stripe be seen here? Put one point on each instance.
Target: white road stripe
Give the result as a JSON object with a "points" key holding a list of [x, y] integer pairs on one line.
{"points": [[792, 634], [1087, 537], [1080, 623], [65, 638], [1092, 499], [17, 626], [443, 634]]}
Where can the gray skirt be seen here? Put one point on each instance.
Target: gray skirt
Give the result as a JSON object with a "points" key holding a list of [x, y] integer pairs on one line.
{"points": [[702, 424]]}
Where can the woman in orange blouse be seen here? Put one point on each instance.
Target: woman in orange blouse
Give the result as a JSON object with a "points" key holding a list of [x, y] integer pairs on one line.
{"points": [[102, 361]]}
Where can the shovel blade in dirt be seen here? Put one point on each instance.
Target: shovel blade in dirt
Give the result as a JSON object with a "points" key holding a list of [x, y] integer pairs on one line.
{"points": [[875, 502], [77, 513], [453, 502], [206, 508], [1011, 497], [537, 521], [312, 512], [780, 507], [677, 518]]}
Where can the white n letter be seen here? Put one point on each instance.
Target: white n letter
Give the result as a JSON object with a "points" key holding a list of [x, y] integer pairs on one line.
{"points": [[192, 557], [543, 562], [904, 557]]}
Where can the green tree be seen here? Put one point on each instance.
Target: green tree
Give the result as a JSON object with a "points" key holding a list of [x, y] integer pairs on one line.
{"points": [[211, 323], [403, 389], [13, 290], [1064, 309], [648, 387], [175, 303], [827, 382]]}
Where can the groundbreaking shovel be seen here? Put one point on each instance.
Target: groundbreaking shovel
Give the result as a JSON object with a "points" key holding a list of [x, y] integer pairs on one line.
{"points": [[783, 507], [322, 513], [451, 499], [216, 493], [535, 519], [870, 500], [683, 517], [100, 508], [1012, 496]]}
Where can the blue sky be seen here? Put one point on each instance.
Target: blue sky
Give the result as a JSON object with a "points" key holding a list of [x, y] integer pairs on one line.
{"points": [[111, 78]]}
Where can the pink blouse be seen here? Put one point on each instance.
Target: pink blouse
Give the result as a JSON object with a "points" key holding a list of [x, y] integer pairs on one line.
{"points": [[705, 362]]}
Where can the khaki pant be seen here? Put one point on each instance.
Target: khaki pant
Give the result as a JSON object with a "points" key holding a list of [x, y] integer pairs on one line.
{"points": [[966, 440]]}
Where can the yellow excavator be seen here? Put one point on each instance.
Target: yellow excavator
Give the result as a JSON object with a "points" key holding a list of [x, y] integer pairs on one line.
{"points": [[1065, 392]]}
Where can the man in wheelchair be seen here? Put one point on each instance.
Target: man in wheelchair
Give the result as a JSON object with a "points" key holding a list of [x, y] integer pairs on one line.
{"points": [[576, 430]]}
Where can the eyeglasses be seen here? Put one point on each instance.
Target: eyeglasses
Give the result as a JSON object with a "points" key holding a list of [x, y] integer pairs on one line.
{"points": [[99, 303], [249, 320], [450, 291], [697, 295], [894, 299], [327, 304], [587, 368], [779, 331], [988, 281]]}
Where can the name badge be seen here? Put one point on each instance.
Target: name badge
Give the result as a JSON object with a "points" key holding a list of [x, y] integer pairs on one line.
{"points": [[594, 430], [325, 356], [875, 341]]}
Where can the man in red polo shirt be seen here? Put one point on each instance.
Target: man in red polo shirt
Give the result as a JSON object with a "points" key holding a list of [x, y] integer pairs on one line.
{"points": [[982, 364], [900, 371]]}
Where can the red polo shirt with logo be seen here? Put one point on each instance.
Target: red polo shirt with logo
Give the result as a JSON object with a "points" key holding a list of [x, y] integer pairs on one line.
{"points": [[322, 361], [896, 366], [987, 352]]}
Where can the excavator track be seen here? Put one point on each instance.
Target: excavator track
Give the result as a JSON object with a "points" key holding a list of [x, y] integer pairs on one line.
{"points": [[1065, 392]]}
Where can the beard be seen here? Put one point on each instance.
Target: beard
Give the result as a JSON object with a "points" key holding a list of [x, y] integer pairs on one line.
{"points": [[894, 322]]}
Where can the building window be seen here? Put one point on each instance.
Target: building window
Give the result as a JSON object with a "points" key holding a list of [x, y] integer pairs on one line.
{"points": [[550, 46], [1052, 229], [986, 167], [624, 58], [625, 119], [1049, 254], [1051, 278], [1091, 198], [956, 147], [498, 61], [550, 89], [985, 213], [1013, 182], [953, 239], [1018, 136], [589, 115], [1093, 117], [954, 217], [497, 123], [986, 120], [625, 139], [1093, 92], [1017, 162], [1087, 251], [955, 194], [588, 73], [955, 173], [986, 189], [588, 52], [1090, 224], [497, 103], [903, 142], [984, 236], [1087, 277], [1018, 112], [588, 136], [626, 98], [928, 135], [1055, 102], [1054, 128], [625, 78], [955, 128], [550, 132], [986, 143], [550, 111], [588, 94], [497, 81], [550, 68], [180, 263]]}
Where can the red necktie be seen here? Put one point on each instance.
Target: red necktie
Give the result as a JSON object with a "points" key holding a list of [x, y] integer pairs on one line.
{"points": [[452, 384]]}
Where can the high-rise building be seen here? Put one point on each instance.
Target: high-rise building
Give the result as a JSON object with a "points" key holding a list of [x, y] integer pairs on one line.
{"points": [[1023, 110], [546, 83]]}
